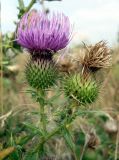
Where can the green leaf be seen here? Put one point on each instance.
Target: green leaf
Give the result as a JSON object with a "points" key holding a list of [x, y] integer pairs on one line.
{"points": [[54, 98], [68, 138], [41, 151], [25, 139], [33, 128], [31, 156]]}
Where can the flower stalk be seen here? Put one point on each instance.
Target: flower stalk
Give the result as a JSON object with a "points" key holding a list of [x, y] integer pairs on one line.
{"points": [[42, 110], [57, 130]]}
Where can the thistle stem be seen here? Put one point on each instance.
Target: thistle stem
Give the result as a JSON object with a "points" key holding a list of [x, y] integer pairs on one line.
{"points": [[43, 120], [30, 5], [54, 132], [41, 101], [21, 4]]}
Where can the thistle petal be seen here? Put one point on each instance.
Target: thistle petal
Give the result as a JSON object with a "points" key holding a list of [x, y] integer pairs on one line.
{"points": [[38, 31]]}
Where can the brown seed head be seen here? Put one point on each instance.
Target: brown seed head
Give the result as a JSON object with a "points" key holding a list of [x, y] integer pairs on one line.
{"points": [[97, 57], [93, 141], [66, 64]]}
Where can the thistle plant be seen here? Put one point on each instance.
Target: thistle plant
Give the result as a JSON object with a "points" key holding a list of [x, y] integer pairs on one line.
{"points": [[43, 36]]}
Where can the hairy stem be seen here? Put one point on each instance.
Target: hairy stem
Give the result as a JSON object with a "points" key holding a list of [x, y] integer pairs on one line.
{"points": [[41, 101], [55, 131], [43, 118]]}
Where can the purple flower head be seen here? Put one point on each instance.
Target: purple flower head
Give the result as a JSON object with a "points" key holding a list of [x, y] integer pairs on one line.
{"points": [[39, 32]]}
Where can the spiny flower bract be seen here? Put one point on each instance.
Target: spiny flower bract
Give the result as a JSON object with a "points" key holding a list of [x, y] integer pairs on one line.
{"points": [[41, 74], [38, 31], [83, 91]]}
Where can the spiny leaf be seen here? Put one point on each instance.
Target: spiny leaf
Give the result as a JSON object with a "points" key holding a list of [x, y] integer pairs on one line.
{"points": [[33, 128], [68, 138]]}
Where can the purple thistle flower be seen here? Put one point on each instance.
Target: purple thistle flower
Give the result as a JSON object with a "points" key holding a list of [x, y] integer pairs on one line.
{"points": [[39, 32]]}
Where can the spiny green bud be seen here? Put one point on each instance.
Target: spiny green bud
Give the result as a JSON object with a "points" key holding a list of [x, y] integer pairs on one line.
{"points": [[83, 91], [41, 74]]}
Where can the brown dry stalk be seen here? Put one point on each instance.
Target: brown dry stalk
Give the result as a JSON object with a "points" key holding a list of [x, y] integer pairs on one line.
{"points": [[4, 153]]}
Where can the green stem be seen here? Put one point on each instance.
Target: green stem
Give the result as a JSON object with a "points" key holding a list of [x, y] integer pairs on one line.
{"points": [[54, 132], [21, 4], [30, 5], [41, 101], [43, 118]]}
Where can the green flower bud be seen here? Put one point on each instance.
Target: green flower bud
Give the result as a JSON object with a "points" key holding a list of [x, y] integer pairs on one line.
{"points": [[83, 91], [41, 74]]}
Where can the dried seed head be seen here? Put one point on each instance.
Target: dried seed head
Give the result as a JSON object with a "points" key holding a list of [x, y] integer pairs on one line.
{"points": [[65, 64], [93, 140], [96, 57]]}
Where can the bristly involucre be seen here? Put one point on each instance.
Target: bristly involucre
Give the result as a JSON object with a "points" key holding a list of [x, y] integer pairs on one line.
{"points": [[41, 74], [76, 88], [38, 31]]}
